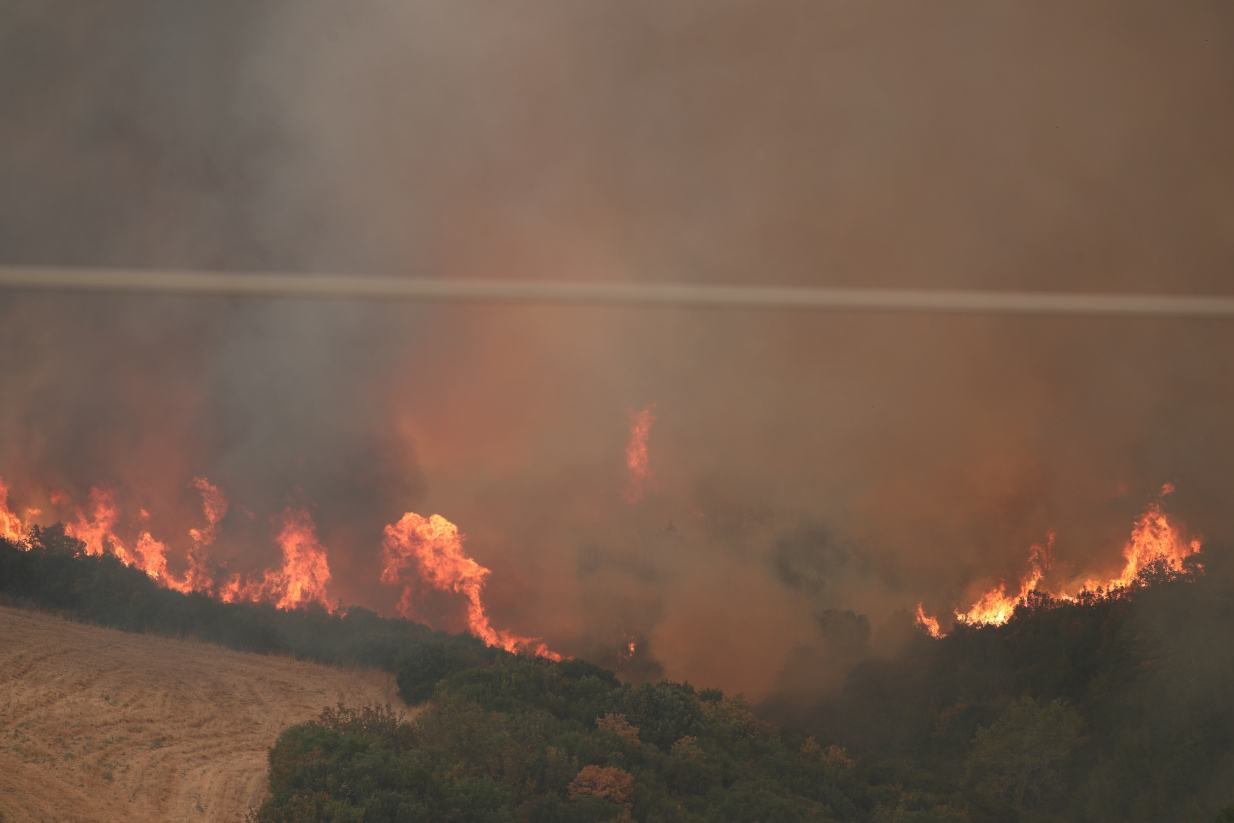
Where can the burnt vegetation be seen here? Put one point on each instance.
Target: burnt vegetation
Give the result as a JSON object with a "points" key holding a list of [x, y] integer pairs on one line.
{"points": [[1111, 708]]}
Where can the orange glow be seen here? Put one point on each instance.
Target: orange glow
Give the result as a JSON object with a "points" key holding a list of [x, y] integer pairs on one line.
{"points": [[302, 580], [304, 575], [153, 556], [1154, 540], [214, 506], [432, 551], [305, 571], [930, 624], [995, 606], [11, 526], [97, 531], [636, 455]]}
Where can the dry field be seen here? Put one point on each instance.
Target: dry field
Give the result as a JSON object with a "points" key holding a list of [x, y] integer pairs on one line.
{"points": [[99, 725]]}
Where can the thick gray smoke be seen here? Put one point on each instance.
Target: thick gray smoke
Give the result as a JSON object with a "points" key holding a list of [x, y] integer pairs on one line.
{"points": [[815, 475]]}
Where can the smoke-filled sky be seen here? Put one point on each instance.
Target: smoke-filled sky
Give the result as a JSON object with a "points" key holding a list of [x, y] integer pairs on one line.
{"points": [[805, 464]]}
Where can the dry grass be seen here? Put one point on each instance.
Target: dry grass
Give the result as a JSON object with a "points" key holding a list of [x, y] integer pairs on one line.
{"points": [[99, 725]]}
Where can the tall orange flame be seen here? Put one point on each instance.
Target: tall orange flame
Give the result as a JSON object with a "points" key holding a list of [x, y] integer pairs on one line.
{"points": [[432, 550], [305, 570], [98, 533], [1154, 540], [637, 456], [97, 530], [12, 527], [304, 575], [930, 624], [214, 506], [153, 554]]}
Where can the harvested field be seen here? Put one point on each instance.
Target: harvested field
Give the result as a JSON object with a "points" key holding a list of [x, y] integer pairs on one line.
{"points": [[100, 725]]}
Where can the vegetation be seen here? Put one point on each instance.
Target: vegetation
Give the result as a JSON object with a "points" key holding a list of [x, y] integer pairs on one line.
{"points": [[1110, 708], [52, 571], [1114, 708], [527, 739]]}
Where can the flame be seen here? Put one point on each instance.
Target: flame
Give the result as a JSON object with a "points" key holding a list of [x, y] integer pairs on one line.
{"points": [[432, 549], [12, 527], [1154, 540], [214, 506], [636, 455], [305, 571], [995, 606], [625, 651], [98, 530], [304, 575], [302, 580], [930, 624], [153, 556]]}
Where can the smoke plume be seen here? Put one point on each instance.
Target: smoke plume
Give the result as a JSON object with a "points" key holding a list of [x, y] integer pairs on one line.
{"points": [[816, 475]]}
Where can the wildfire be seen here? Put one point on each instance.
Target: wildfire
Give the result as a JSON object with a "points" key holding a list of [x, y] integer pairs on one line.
{"points": [[214, 506], [97, 530], [996, 606], [636, 455], [432, 549], [930, 624], [12, 527], [1154, 540], [302, 579], [417, 552], [627, 648]]}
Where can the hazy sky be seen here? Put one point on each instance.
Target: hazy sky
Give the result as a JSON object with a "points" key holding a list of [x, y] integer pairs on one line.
{"points": [[805, 463]]}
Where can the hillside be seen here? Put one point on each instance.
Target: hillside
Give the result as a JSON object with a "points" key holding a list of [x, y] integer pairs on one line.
{"points": [[100, 725], [1112, 707]]}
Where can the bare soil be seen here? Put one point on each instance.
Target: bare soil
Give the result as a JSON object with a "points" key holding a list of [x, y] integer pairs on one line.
{"points": [[100, 725]]}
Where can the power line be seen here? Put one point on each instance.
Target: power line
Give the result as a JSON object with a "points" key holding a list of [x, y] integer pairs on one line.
{"points": [[684, 295]]}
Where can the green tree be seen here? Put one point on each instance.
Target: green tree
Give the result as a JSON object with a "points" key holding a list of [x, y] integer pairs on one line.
{"points": [[1022, 752]]}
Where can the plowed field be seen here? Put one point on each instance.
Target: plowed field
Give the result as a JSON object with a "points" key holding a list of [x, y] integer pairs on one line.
{"points": [[99, 725]]}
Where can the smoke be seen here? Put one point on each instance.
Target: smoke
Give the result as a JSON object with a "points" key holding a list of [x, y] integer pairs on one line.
{"points": [[816, 475]]}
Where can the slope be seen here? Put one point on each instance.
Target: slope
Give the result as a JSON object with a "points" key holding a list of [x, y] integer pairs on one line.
{"points": [[100, 725]]}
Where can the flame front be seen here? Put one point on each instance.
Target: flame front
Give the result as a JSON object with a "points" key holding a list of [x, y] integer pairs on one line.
{"points": [[1154, 541], [995, 606], [416, 551], [637, 456], [432, 549]]}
